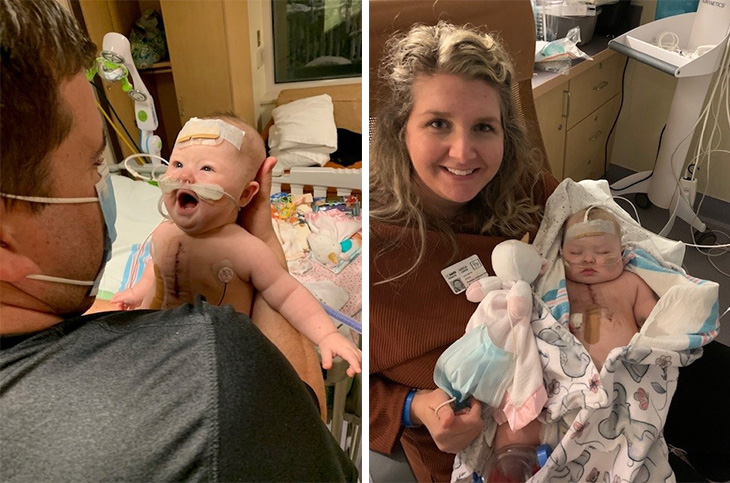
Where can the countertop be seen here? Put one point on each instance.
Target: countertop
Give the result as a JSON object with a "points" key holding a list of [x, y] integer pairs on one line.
{"points": [[597, 48]]}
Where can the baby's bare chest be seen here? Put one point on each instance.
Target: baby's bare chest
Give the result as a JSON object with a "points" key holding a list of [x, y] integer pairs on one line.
{"points": [[617, 295], [190, 266]]}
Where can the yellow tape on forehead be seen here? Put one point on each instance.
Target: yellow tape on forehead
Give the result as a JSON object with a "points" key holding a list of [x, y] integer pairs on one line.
{"points": [[209, 132], [590, 228]]}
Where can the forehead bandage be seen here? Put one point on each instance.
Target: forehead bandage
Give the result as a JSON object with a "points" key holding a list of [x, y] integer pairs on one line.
{"points": [[209, 132], [588, 228]]}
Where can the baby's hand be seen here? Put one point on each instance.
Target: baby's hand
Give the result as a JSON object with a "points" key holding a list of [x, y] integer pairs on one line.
{"points": [[336, 344], [127, 299]]}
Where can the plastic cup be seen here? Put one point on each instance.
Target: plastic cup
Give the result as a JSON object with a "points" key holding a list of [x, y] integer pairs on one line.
{"points": [[514, 463]]}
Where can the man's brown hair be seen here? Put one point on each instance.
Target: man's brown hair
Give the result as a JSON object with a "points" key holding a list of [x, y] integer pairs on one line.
{"points": [[41, 45]]}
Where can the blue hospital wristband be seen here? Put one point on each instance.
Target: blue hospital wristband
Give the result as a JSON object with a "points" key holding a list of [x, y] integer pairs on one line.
{"points": [[406, 415]]}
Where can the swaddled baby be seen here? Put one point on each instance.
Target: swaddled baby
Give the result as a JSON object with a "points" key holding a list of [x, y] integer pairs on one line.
{"points": [[608, 304]]}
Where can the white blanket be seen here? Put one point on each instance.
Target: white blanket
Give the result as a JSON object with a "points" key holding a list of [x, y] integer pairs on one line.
{"points": [[607, 426]]}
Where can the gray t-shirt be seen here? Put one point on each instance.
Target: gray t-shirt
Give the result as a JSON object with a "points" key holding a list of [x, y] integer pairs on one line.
{"points": [[195, 393]]}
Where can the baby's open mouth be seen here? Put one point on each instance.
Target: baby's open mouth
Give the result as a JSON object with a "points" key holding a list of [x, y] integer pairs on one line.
{"points": [[186, 200]]}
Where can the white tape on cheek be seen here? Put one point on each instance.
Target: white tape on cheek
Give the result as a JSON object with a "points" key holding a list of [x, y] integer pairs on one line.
{"points": [[209, 132]]}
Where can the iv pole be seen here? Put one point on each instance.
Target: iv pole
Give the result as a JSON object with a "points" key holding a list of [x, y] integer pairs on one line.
{"points": [[710, 25], [119, 64]]}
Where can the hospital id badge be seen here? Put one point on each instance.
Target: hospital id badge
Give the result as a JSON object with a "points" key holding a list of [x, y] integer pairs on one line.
{"points": [[459, 275]]}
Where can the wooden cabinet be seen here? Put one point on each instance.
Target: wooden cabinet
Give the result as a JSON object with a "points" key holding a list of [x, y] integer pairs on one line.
{"points": [[576, 114], [209, 68], [551, 110], [585, 144], [210, 56]]}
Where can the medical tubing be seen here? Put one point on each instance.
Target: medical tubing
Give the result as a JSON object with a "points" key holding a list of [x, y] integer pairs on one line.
{"points": [[724, 313], [144, 155], [340, 317], [223, 295]]}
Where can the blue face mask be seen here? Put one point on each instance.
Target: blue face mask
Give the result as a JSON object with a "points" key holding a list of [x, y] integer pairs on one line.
{"points": [[474, 366], [105, 198]]}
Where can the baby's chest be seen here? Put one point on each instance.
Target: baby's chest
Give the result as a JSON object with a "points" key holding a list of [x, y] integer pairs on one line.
{"points": [[612, 295], [194, 259]]}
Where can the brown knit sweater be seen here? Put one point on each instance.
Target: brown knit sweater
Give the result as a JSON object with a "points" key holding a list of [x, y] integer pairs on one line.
{"points": [[412, 321]]}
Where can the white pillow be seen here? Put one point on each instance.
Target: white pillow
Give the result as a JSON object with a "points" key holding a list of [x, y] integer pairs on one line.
{"points": [[305, 124], [289, 158]]}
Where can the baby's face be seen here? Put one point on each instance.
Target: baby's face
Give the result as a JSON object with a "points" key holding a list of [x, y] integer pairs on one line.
{"points": [[593, 259], [201, 164]]}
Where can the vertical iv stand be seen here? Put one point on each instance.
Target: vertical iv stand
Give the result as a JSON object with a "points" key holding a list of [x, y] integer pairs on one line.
{"points": [[117, 53], [710, 25]]}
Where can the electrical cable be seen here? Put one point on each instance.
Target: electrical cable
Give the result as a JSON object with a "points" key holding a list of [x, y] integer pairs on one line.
{"points": [[129, 136], [661, 135], [706, 150], [124, 140], [636, 212], [710, 255], [615, 121], [116, 116], [703, 117]]}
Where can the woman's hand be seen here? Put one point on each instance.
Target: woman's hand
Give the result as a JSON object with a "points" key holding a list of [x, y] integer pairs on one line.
{"points": [[452, 432]]}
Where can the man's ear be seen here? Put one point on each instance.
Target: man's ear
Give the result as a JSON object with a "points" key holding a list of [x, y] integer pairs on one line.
{"points": [[15, 266], [248, 193]]}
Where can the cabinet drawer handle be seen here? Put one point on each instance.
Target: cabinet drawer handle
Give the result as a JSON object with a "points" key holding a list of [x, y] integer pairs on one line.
{"points": [[566, 103], [596, 135], [600, 86]]}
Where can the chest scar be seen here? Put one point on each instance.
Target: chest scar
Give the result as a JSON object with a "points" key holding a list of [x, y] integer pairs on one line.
{"points": [[597, 310], [176, 280]]}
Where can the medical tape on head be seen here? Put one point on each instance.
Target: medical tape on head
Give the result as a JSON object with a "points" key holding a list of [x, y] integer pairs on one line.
{"points": [[588, 227], [209, 132]]}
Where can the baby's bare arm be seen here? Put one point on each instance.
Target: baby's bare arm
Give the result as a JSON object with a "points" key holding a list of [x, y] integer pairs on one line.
{"points": [[254, 260], [646, 299]]}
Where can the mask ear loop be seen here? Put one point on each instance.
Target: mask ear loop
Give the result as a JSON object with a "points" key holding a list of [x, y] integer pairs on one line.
{"points": [[436, 409]]}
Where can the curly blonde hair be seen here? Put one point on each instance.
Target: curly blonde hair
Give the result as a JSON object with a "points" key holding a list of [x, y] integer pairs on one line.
{"points": [[505, 206]]}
